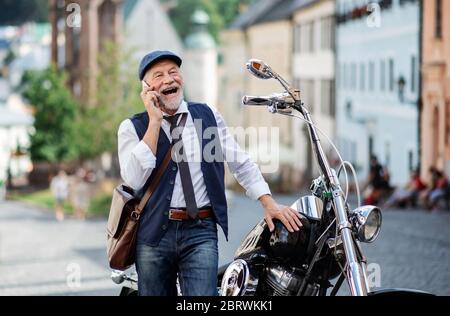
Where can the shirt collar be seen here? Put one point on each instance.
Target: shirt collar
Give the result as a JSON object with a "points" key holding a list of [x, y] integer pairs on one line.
{"points": [[182, 109]]}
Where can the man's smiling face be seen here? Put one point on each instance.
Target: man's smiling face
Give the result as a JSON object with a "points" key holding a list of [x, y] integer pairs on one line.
{"points": [[165, 78]]}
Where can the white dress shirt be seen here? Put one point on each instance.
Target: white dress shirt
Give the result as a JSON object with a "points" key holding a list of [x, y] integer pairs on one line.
{"points": [[137, 160]]}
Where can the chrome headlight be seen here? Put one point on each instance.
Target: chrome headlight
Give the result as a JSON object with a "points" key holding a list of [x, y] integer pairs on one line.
{"points": [[237, 280], [366, 222]]}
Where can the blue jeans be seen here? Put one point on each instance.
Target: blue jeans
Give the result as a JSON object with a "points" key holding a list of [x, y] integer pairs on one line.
{"points": [[189, 249]]}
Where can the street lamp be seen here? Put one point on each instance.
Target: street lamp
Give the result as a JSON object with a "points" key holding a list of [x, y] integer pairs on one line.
{"points": [[401, 82]]}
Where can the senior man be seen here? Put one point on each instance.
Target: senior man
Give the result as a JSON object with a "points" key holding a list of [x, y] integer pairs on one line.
{"points": [[177, 235]]}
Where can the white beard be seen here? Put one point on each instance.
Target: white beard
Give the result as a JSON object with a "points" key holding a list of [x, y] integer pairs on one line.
{"points": [[175, 104]]}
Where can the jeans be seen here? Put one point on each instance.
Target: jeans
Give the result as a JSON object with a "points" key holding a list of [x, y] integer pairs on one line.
{"points": [[188, 249]]}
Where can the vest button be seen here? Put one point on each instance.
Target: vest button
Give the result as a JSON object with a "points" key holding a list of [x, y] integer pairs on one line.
{"points": [[174, 168], [169, 198], [172, 182], [163, 227], [166, 213]]}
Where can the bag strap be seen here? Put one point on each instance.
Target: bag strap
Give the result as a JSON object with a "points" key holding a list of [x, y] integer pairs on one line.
{"points": [[159, 172]]}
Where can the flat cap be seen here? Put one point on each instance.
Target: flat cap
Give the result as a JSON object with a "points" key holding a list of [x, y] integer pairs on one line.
{"points": [[155, 56]]}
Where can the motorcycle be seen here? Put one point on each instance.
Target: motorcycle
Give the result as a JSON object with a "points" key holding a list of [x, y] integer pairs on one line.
{"points": [[328, 245]]}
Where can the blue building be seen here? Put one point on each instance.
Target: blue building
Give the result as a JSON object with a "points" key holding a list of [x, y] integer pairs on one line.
{"points": [[377, 84]]}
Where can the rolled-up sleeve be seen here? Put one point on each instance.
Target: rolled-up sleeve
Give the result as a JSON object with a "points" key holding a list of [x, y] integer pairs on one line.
{"points": [[136, 159], [244, 170]]}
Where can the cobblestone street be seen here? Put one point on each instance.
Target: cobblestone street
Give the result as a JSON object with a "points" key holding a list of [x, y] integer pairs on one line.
{"points": [[39, 256]]}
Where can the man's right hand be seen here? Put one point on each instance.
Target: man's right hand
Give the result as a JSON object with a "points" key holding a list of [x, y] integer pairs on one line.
{"points": [[150, 99]]}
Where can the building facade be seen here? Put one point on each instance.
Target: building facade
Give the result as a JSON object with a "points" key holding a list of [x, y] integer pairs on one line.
{"points": [[314, 73], [264, 32], [377, 84], [435, 116]]}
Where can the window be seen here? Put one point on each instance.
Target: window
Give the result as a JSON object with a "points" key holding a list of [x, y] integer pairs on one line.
{"points": [[327, 97], [362, 77], [382, 76], [345, 76], [307, 88], [305, 33], [391, 75], [338, 76], [327, 33], [371, 76], [413, 73], [438, 18], [297, 38], [354, 79], [311, 37], [387, 159], [410, 160]]}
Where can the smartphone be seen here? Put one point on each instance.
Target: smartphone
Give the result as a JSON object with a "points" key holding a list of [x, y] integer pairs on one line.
{"points": [[145, 85]]}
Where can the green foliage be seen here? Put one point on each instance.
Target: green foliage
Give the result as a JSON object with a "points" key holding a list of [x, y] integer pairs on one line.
{"points": [[54, 112], [221, 13], [99, 205], [17, 12], [116, 98]]}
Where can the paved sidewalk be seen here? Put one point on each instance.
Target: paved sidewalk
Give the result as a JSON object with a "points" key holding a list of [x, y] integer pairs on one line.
{"points": [[39, 256]]}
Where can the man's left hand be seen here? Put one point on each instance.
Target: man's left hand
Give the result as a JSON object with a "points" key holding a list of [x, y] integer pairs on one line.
{"points": [[272, 210]]}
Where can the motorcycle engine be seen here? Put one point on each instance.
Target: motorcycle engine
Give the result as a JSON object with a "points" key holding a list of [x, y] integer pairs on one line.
{"points": [[285, 281]]}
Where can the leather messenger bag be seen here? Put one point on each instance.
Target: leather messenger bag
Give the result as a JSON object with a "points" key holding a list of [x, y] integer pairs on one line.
{"points": [[124, 218]]}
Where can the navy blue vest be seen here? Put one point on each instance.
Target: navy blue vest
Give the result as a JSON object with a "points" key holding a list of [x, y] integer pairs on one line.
{"points": [[155, 217]]}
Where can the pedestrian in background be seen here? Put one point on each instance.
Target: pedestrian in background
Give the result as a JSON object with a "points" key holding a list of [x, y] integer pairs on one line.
{"points": [[409, 194], [377, 184], [438, 190], [59, 186], [80, 194]]}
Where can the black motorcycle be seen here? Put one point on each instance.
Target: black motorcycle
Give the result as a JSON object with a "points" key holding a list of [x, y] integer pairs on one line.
{"points": [[326, 248]]}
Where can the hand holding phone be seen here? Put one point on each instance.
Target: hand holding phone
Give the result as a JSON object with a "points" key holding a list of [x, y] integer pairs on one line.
{"points": [[152, 101], [146, 86]]}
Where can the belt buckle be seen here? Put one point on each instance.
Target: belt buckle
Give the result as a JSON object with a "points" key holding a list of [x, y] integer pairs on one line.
{"points": [[174, 219]]}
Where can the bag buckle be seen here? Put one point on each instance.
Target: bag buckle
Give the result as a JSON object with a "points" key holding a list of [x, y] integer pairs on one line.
{"points": [[135, 215]]}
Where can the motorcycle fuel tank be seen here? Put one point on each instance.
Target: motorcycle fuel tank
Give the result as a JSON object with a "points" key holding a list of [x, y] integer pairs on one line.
{"points": [[281, 243]]}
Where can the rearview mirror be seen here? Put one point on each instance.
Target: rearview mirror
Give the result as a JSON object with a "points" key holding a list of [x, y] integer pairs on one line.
{"points": [[259, 69]]}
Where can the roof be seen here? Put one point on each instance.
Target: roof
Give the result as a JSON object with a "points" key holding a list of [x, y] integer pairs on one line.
{"points": [[253, 13], [281, 11], [298, 4], [263, 11], [128, 7]]}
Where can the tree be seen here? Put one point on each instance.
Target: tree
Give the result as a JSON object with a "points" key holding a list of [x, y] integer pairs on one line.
{"points": [[221, 14], [54, 112], [117, 97], [17, 12]]}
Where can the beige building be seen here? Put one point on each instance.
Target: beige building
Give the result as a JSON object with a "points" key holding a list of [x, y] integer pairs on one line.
{"points": [[264, 32], [314, 73], [435, 119]]}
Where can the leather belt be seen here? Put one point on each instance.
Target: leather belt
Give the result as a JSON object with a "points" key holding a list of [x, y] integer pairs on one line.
{"points": [[182, 215]]}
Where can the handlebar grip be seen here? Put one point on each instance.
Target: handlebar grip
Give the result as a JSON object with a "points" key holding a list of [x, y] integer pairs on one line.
{"points": [[256, 100]]}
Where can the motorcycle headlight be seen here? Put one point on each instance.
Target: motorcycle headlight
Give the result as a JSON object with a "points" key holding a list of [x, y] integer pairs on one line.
{"points": [[237, 280], [367, 223]]}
